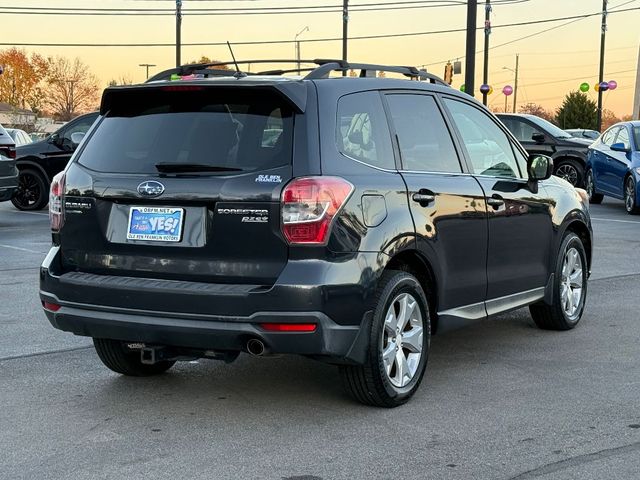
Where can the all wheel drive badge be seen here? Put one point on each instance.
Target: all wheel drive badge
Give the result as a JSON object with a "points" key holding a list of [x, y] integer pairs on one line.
{"points": [[150, 188]]}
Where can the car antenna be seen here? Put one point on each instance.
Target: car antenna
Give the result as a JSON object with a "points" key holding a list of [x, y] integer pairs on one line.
{"points": [[238, 74]]}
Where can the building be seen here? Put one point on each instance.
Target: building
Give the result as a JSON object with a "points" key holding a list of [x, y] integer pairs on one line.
{"points": [[11, 116]]}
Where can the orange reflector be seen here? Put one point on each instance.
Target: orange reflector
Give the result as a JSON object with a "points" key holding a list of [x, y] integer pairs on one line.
{"points": [[289, 327], [53, 307]]}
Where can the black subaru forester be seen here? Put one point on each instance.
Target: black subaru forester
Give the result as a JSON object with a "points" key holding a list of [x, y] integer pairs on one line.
{"points": [[209, 213]]}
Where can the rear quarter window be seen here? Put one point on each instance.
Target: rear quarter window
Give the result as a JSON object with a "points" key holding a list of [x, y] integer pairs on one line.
{"points": [[362, 131], [226, 128]]}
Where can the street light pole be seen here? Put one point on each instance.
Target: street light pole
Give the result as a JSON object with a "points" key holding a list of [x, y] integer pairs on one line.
{"points": [[487, 32], [147, 66], [345, 32], [298, 56], [515, 86], [470, 59], [603, 35], [178, 31]]}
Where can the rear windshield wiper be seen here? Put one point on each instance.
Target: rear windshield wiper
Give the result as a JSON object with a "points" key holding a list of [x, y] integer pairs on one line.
{"points": [[192, 167]]}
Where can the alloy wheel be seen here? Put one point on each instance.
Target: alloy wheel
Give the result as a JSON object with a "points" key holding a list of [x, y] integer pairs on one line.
{"points": [[402, 339], [629, 195], [28, 191], [571, 284], [569, 173], [589, 184]]}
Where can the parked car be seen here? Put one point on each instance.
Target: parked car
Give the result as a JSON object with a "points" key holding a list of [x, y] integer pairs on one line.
{"points": [[539, 136], [8, 170], [20, 137], [39, 162], [583, 133], [613, 166], [183, 228]]}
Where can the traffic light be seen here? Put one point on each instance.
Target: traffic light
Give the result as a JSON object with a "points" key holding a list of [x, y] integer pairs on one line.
{"points": [[448, 73]]}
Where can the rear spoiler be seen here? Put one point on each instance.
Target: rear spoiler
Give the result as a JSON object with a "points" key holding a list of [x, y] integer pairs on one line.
{"points": [[293, 93]]}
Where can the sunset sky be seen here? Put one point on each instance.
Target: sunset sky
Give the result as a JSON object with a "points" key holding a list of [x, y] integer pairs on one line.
{"points": [[551, 63]]}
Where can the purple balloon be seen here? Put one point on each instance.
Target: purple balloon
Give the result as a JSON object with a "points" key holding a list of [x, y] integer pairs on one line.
{"points": [[507, 90], [484, 88], [604, 86], [1, 69], [613, 85]]}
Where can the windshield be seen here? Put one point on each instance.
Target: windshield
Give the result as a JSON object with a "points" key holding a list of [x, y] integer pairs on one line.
{"points": [[554, 131], [202, 130]]}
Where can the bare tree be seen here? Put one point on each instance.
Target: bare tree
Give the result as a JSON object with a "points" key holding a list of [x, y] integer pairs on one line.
{"points": [[72, 88]]}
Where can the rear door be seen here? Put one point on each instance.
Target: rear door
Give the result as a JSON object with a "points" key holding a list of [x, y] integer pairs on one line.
{"points": [[182, 184], [520, 221], [447, 205], [605, 177]]}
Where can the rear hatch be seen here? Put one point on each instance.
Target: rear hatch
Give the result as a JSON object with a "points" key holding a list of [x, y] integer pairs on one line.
{"points": [[182, 183]]}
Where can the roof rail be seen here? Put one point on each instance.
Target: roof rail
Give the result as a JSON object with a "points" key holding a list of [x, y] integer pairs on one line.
{"points": [[323, 69]]}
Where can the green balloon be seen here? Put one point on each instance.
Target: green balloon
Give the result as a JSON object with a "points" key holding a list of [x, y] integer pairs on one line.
{"points": [[463, 87], [584, 87]]}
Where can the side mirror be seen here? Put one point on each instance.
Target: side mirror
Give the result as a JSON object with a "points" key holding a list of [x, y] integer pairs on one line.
{"points": [[619, 147], [540, 167], [53, 138], [76, 138], [538, 137]]}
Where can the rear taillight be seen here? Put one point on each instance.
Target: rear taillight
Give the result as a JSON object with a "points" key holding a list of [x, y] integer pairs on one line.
{"points": [[309, 205], [9, 152], [56, 197]]}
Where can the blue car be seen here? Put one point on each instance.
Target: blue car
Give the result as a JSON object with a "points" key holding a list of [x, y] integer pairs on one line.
{"points": [[613, 166]]}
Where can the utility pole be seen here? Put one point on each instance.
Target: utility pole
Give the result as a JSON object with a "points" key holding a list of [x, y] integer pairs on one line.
{"points": [[345, 31], [470, 59], [487, 32], [178, 31], [147, 66], [603, 35], [515, 85], [636, 99], [70, 102]]}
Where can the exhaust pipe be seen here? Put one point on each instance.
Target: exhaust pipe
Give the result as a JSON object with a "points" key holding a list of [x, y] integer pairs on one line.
{"points": [[255, 347]]}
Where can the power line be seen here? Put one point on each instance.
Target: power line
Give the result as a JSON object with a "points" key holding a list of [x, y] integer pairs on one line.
{"points": [[332, 39]]}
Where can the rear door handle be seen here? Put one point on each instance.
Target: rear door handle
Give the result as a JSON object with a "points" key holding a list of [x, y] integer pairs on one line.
{"points": [[423, 198], [495, 201]]}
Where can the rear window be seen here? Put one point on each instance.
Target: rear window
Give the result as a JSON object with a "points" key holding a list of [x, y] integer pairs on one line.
{"points": [[234, 129]]}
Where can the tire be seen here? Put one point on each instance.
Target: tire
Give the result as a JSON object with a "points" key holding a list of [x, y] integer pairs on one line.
{"points": [[630, 204], [560, 315], [590, 187], [32, 192], [380, 382], [571, 170], [116, 357]]}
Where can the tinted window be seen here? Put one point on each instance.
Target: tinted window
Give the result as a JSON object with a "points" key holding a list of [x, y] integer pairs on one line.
{"points": [[82, 125], [488, 147], [227, 129], [425, 142], [623, 137], [636, 137], [609, 136], [523, 131], [553, 130], [362, 132]]}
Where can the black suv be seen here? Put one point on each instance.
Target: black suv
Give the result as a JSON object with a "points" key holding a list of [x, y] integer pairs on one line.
{"points": [[538, 136], [8, 170], [337, 218], [38, 162]]}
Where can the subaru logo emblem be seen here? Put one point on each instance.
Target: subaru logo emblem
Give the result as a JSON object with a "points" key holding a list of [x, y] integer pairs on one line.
{"points": [[150, 188]]}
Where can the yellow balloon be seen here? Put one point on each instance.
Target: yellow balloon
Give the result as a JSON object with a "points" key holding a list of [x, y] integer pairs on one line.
{"points": [[490, 91], [596, 87]]}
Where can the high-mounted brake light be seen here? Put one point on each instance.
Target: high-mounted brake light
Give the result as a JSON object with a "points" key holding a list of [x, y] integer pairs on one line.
{"points": [[56, 197], [309, 205]]}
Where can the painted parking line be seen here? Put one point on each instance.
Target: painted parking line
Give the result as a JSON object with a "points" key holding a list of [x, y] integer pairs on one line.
{"points": [[613, 220], [11, 247], [29, 213]]}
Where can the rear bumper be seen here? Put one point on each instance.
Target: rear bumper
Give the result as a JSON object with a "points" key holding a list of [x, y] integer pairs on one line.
{"points": [[219, 317], [8, 185]]}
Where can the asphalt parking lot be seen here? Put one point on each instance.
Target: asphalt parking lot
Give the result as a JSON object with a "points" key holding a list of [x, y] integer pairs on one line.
{"points": [[501, 399]]}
